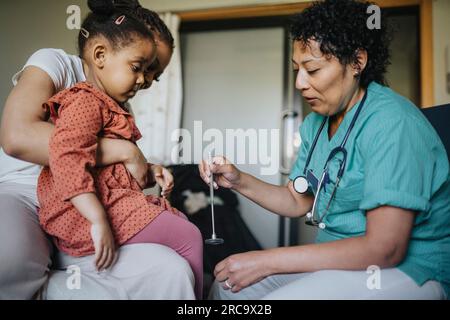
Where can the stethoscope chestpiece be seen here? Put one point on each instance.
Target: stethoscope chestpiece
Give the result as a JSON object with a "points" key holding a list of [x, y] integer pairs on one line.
{"points": [[300, 184], [214, 241]]}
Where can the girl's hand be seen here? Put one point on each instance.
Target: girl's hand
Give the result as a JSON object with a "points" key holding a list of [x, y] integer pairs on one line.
{"points": [[163, 178], [225, 174], [241, 270], [136, 165], [104, 244]]}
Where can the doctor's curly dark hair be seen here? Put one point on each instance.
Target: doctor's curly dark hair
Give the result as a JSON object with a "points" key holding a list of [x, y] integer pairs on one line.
{"points": [[340, 27]]}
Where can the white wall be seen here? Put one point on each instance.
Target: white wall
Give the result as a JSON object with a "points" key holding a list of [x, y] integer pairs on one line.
{"points": [[441, 41]]}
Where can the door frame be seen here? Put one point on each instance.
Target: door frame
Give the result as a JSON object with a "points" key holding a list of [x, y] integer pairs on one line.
{"points": [[255, 11]]}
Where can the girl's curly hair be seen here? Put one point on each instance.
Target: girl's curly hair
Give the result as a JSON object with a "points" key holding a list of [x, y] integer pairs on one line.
{"points": [[340, 27]]}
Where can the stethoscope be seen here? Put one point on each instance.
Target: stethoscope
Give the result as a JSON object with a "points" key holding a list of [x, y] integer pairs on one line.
{"points": [[301, 184]]}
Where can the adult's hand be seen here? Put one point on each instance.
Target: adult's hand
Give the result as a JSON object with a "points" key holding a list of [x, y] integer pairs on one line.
{"points": [[241, 270], [225, 173], [136, 164]]}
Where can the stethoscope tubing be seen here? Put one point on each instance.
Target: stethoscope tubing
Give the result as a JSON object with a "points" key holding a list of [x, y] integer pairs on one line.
{"points": [[344, 141], [333, 153]]}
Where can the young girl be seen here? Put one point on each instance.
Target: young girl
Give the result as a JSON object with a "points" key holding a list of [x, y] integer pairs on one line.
{"points": [[91, 210]]}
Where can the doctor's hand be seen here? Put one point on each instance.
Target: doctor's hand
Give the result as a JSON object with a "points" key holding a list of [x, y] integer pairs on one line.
{"points": [[226, 175], [241, 270]]}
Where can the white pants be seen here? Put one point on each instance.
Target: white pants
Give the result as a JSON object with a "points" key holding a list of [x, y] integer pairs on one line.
{"points": [[334, 285], [143, 271]]}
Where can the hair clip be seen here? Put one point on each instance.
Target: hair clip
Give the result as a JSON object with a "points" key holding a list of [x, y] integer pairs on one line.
{"points": [[119, 20], [84, 32]]}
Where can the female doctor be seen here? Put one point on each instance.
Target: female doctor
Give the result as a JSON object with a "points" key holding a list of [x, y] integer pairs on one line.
{"points": [[371, 174]]}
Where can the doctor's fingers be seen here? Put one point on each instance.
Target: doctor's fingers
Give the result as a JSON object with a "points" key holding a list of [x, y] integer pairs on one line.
{"points": [[203, 168], [217, 161], [220, 267], [205, 173], [223, 276], [220, 160], [230, 281], [221, 168]]}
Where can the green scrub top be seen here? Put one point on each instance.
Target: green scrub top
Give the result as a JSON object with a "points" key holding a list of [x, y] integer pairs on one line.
{"points": [[395, 158]]}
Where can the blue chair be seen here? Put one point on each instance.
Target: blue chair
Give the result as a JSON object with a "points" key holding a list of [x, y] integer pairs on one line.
{"points": [[439, 117]]}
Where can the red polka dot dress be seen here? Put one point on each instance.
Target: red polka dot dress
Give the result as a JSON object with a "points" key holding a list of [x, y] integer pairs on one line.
{"points": [[81, 115]]}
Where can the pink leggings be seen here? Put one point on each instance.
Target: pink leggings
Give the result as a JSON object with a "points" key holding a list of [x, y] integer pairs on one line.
{"points": [[178, 233]]}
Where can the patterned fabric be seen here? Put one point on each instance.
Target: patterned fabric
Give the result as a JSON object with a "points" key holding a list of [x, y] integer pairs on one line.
{"points": [[81, 115]]}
